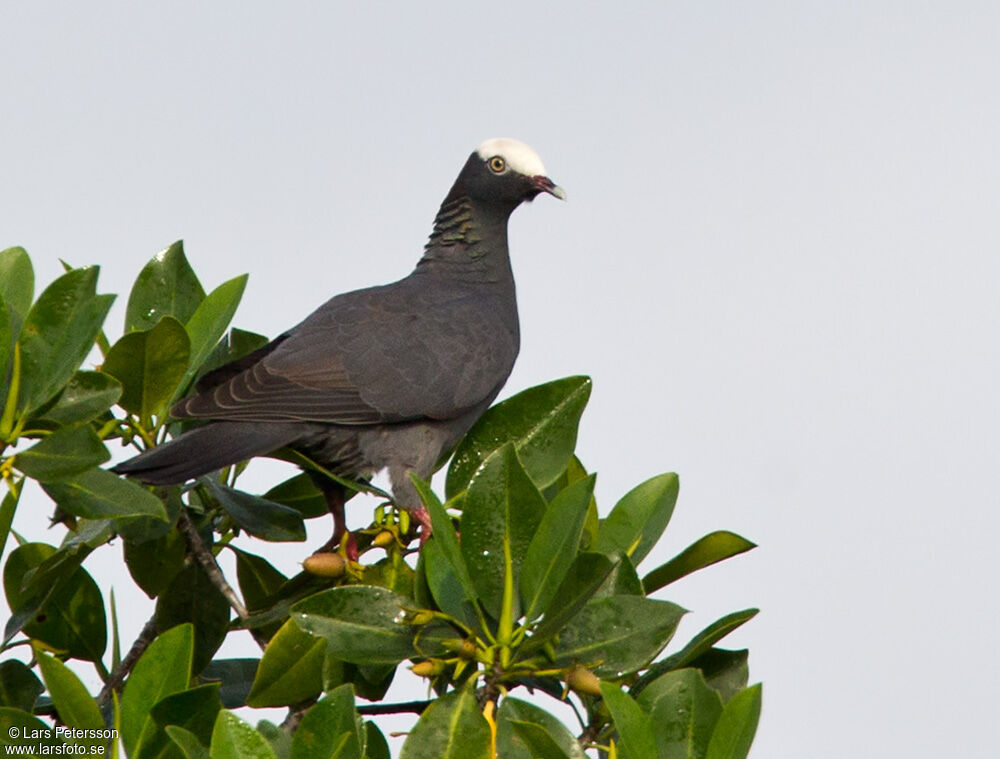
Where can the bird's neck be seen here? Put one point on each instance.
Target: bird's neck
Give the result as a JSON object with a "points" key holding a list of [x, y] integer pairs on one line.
{"points": [[468, 243]]}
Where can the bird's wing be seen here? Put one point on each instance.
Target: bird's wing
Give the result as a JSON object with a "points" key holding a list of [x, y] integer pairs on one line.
{"points": [[387, 354]]}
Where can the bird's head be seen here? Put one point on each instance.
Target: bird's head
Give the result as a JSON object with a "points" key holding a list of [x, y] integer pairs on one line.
{"points": [[505, 172]]}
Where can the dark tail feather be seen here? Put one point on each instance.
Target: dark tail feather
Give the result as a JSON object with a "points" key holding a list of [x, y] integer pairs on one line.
{"points": [[206, 449]]}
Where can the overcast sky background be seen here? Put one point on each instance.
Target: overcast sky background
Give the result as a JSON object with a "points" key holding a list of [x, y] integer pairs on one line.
{"points": [[778, 262]]}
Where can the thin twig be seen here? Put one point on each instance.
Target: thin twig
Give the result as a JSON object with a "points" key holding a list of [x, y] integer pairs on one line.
{"points": [[404, 707], [119, 673], [199, 551]]}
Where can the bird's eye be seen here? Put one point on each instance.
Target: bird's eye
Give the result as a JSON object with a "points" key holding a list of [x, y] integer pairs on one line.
{"points": [[497, 164]]}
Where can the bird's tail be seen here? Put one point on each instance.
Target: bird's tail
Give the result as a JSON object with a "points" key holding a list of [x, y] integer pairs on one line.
{"points": [[206, 449]]}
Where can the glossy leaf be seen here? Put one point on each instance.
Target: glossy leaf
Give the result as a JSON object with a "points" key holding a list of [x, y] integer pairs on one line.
{"points": [[639, 518], [192, 597], [710, 549], [261, 518], [617, 635], [279, 739], [554, 546], [17, 283], [74, 705], [725, 671], [361, 624], [86, 396], [301, 494], [623, 580], [443, 532], [8, 506], [154, 564], [209, 321], [58, 333], [258, 579], [234, 345], [17, 722], [503, 509], [586, 574], [735, 729], [329, 730], [452, 727], [443, 583], [684, 711], [99, 494], [194, 710], [150, 365], [232, 738], [166, 286], [512, 743], [291, 670], [234, 677], [698, 645], [19, 687], [541, 422], [376, 746], [68, 616], [162, 670], [537, 740], [62, 454], [635, 733], [187, 742], [6, 349]]}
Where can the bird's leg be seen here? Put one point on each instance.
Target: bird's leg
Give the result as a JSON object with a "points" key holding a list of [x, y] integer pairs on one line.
{"points": [[341, 535], [424, 518]]}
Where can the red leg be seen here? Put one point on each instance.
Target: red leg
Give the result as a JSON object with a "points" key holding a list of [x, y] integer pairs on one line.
{"points": [[424, 519]]}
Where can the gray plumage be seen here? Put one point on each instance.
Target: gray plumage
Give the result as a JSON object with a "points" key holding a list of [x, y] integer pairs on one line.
{"points": [[385, 377]]}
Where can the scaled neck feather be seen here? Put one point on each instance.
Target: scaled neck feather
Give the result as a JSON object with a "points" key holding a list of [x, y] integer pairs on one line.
{"points": [[468, 242]]}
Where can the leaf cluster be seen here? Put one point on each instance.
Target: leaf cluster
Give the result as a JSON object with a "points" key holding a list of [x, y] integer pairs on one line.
{"points": [[522, 597]]}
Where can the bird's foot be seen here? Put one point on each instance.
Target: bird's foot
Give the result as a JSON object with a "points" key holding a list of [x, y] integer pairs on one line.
{"points": [[424, 519]]}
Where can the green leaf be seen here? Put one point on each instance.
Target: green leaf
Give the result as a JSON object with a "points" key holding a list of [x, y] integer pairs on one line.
{"points": [[74, 705], [329, 730], [698, 645], [86, 396], [725, 671], [586, 574], [68, 616], [362, 624], [6, 349], [162, 670], [709, 550], [167, 286], [443, 532], [301, 494], [7, 508], [155, 563], [99, 494], [683, 712], [19, 687], [209, 321], [58, 333], [554, 546], [376, 746], [634, 729], [737, 726], [187, 742], [279, 739], [623, 580], [617, 635], [442, 582], [291, 670], [537, 740], [150, 365], [257, 578], [639, 518], [542, 424], [17, 284], [192, 597], [194, 710], [503, 509], [15, 721], [62, 454], [512, 743], [233, 738], [452, 727], [233, 346], [234, 676], [261, 518]]}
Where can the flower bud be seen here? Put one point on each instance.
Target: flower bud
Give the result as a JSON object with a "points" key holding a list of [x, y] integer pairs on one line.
{"points": [[325, 564], [582, 680]]}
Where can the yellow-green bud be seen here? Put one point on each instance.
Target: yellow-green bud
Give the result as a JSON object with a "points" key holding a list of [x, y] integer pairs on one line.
{"points": [[325, 564]]}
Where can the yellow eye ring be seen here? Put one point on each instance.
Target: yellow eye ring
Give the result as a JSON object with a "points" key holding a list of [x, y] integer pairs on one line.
{"points": [[497, 164]]}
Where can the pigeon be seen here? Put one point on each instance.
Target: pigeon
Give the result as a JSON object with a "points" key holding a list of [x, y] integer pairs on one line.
{"points": [[388, 377]]}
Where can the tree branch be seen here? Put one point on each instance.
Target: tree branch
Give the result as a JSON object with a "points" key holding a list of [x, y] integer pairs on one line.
{"points": [[118, 675], [404, 707]]}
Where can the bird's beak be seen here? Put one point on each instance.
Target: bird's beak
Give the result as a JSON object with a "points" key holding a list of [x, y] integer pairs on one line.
{"points": [[544, 184]]}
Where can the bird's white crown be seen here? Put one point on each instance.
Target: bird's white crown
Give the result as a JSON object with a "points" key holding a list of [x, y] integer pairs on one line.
{"points": [[519, 157]]}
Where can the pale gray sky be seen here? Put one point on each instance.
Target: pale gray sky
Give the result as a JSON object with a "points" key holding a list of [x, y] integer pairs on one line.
{"points": [[778, 262]]}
